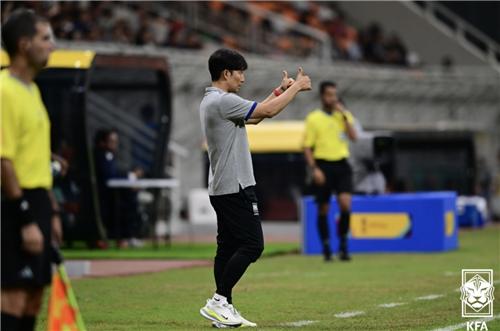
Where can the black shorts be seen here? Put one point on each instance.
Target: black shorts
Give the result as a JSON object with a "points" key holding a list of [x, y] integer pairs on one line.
{"points": [[338, 179], [20, 269], [238, 221]]}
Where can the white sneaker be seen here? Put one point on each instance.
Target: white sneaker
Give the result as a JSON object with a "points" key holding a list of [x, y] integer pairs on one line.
{"points": [[244, 321], [218, 325], [220, 312]]}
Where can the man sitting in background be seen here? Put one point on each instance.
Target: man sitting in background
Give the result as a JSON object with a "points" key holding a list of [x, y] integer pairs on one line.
{"points": [[119, 227]]}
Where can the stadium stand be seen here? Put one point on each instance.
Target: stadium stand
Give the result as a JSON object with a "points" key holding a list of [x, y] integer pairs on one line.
{"points": [[300, 29], [324, 30]]}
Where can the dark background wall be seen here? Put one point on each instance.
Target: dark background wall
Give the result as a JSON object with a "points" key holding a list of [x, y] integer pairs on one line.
{"points": [[484, 15]]}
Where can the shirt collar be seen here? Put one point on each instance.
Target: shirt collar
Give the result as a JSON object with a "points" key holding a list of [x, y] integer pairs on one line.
{"points": [[213, 89]]}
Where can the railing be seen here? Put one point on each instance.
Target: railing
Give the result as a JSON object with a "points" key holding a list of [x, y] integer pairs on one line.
{"points": [[475, 41]]}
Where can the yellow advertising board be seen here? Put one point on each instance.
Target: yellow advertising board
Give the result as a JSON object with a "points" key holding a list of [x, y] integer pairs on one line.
{"points": [[449, 219], [380, 225], [61, 58]]}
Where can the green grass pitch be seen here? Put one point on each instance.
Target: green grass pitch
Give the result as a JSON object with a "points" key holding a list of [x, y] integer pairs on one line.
{"points": [[278, 290]]}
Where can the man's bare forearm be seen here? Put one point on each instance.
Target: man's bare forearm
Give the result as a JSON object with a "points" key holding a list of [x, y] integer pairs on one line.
{"points": [[53, 202], [308, 154], [256, 121], [10, 184], [269, 97], [351, 131], [276, 105]]}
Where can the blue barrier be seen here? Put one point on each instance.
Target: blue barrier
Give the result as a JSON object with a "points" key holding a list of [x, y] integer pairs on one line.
{"points": [[415, 222], [471, 211], [470, 217]]}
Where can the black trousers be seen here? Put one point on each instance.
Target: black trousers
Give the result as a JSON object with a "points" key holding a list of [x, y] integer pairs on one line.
{"points": [[338, 179], [240, 240]]}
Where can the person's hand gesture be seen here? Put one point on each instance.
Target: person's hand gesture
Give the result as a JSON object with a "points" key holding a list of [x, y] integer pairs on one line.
{"points": [[286, 81], [32, 238], [339, 106], [303, 80], [318, 176]]}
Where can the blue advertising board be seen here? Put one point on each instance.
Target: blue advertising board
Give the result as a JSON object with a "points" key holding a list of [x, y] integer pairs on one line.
{"points": [[408, 222]]}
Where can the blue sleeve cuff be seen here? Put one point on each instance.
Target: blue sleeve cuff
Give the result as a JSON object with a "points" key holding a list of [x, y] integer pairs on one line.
{"points": [[247, 117]]}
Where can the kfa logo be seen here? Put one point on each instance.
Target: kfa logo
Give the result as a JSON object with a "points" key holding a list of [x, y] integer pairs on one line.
{"points": [[477, 326], [477, 296], [477, 293]]}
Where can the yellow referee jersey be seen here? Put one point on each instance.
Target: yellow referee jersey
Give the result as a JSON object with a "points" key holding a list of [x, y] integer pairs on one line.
{"points": [[25, 132], [326, 134]]}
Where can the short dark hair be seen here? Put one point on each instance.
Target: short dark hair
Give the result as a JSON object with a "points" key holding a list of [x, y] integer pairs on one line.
{"points": [[102, 135], [324, 85], [20, 24], [225, 59]]}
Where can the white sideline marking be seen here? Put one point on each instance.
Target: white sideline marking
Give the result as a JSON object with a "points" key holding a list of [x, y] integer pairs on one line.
{"points": [[461, 325], [348, 314], [430, 297], [391, 304], [299, 323]]}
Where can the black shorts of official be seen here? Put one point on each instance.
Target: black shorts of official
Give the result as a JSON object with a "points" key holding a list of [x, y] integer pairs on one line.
{"points": [[338, 179], [238, 222], [19, 268]]}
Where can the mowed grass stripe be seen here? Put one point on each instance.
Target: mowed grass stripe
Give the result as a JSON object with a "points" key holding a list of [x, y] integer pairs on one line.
{"points": [[291, 288]]}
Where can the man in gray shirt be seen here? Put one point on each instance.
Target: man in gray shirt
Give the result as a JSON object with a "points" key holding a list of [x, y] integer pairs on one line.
{"points": [[223, 116]]}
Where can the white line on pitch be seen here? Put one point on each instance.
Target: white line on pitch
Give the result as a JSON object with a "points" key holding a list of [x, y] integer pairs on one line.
{"points": [[391, 304], [299, 323], [451, 273], [348, 314], [461, 325], [430, 297]]}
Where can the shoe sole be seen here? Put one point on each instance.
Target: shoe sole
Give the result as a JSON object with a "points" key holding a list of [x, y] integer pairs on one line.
{"points": [[218, 325], [243, 325], [212, 318]]}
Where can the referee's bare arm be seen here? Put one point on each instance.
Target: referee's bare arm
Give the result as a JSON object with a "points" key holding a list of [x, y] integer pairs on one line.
{"points": [[350, 129], [10, 185], [276, 105], [31, 235], [308, 155]]}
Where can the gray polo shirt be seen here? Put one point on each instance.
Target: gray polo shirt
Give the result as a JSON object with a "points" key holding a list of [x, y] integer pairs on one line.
{"points": [[223, 117]]}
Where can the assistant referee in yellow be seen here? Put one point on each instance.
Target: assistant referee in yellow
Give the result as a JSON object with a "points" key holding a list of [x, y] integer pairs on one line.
{"points": [[30, 221], [326, 150]]}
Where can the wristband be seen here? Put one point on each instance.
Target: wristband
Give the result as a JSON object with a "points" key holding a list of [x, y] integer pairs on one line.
{"points": [[21, 210], [277, 92]]}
